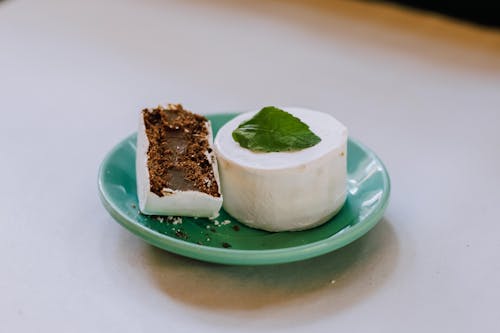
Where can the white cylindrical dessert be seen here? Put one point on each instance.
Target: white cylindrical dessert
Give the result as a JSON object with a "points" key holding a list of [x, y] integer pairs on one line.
{"points": [[284, 191]]}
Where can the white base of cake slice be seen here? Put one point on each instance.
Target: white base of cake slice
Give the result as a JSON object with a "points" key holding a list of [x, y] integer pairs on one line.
{"points": [[173, 202]]}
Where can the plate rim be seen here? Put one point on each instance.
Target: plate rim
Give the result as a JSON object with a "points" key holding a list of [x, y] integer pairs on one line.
{"points": [[246, 257]]}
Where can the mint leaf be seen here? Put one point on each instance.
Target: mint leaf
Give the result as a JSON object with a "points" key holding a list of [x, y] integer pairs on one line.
{"points": [[274, 130]]}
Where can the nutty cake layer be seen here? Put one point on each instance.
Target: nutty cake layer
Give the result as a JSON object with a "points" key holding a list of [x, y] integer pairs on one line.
{"points": [[178, 143]]}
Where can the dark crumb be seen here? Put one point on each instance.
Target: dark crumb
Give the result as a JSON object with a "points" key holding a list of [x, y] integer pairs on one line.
{"points": [[199, 243], [134, 206], [181, 234], [236, 227], [213, 230], [226, 245]]}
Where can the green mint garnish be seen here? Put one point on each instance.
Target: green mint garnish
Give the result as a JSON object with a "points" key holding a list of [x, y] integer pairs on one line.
{"points": [[274, 130]]}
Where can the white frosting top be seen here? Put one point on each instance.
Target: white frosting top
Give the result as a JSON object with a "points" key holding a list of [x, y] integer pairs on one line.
{"points": [[333, 134]]}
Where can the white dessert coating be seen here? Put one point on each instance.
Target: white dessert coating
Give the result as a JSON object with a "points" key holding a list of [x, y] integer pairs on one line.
{"points": [[173, 202], [283, 191]]}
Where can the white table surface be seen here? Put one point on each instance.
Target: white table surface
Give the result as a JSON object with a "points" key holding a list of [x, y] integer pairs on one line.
{"points": [[422, 91]]}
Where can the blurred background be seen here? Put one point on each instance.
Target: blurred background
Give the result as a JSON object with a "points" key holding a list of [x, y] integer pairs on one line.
{"points": [[482, 12]]}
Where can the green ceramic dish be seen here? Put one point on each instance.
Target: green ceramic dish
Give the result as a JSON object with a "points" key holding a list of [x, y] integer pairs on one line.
{"points": [[225, 240]]}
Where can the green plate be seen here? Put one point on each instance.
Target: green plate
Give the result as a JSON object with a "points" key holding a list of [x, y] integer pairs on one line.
{"points": [[225, 240]]}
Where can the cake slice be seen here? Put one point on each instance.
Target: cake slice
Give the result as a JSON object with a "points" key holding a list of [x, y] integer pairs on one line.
{"points": [[175, 164]]}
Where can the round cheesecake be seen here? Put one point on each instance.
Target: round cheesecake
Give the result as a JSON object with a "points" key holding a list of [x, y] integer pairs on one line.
{"points": [[284, 191]]}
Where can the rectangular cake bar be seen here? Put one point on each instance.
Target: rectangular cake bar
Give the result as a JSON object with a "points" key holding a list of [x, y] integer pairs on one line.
{"points": [[175, 164]]}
